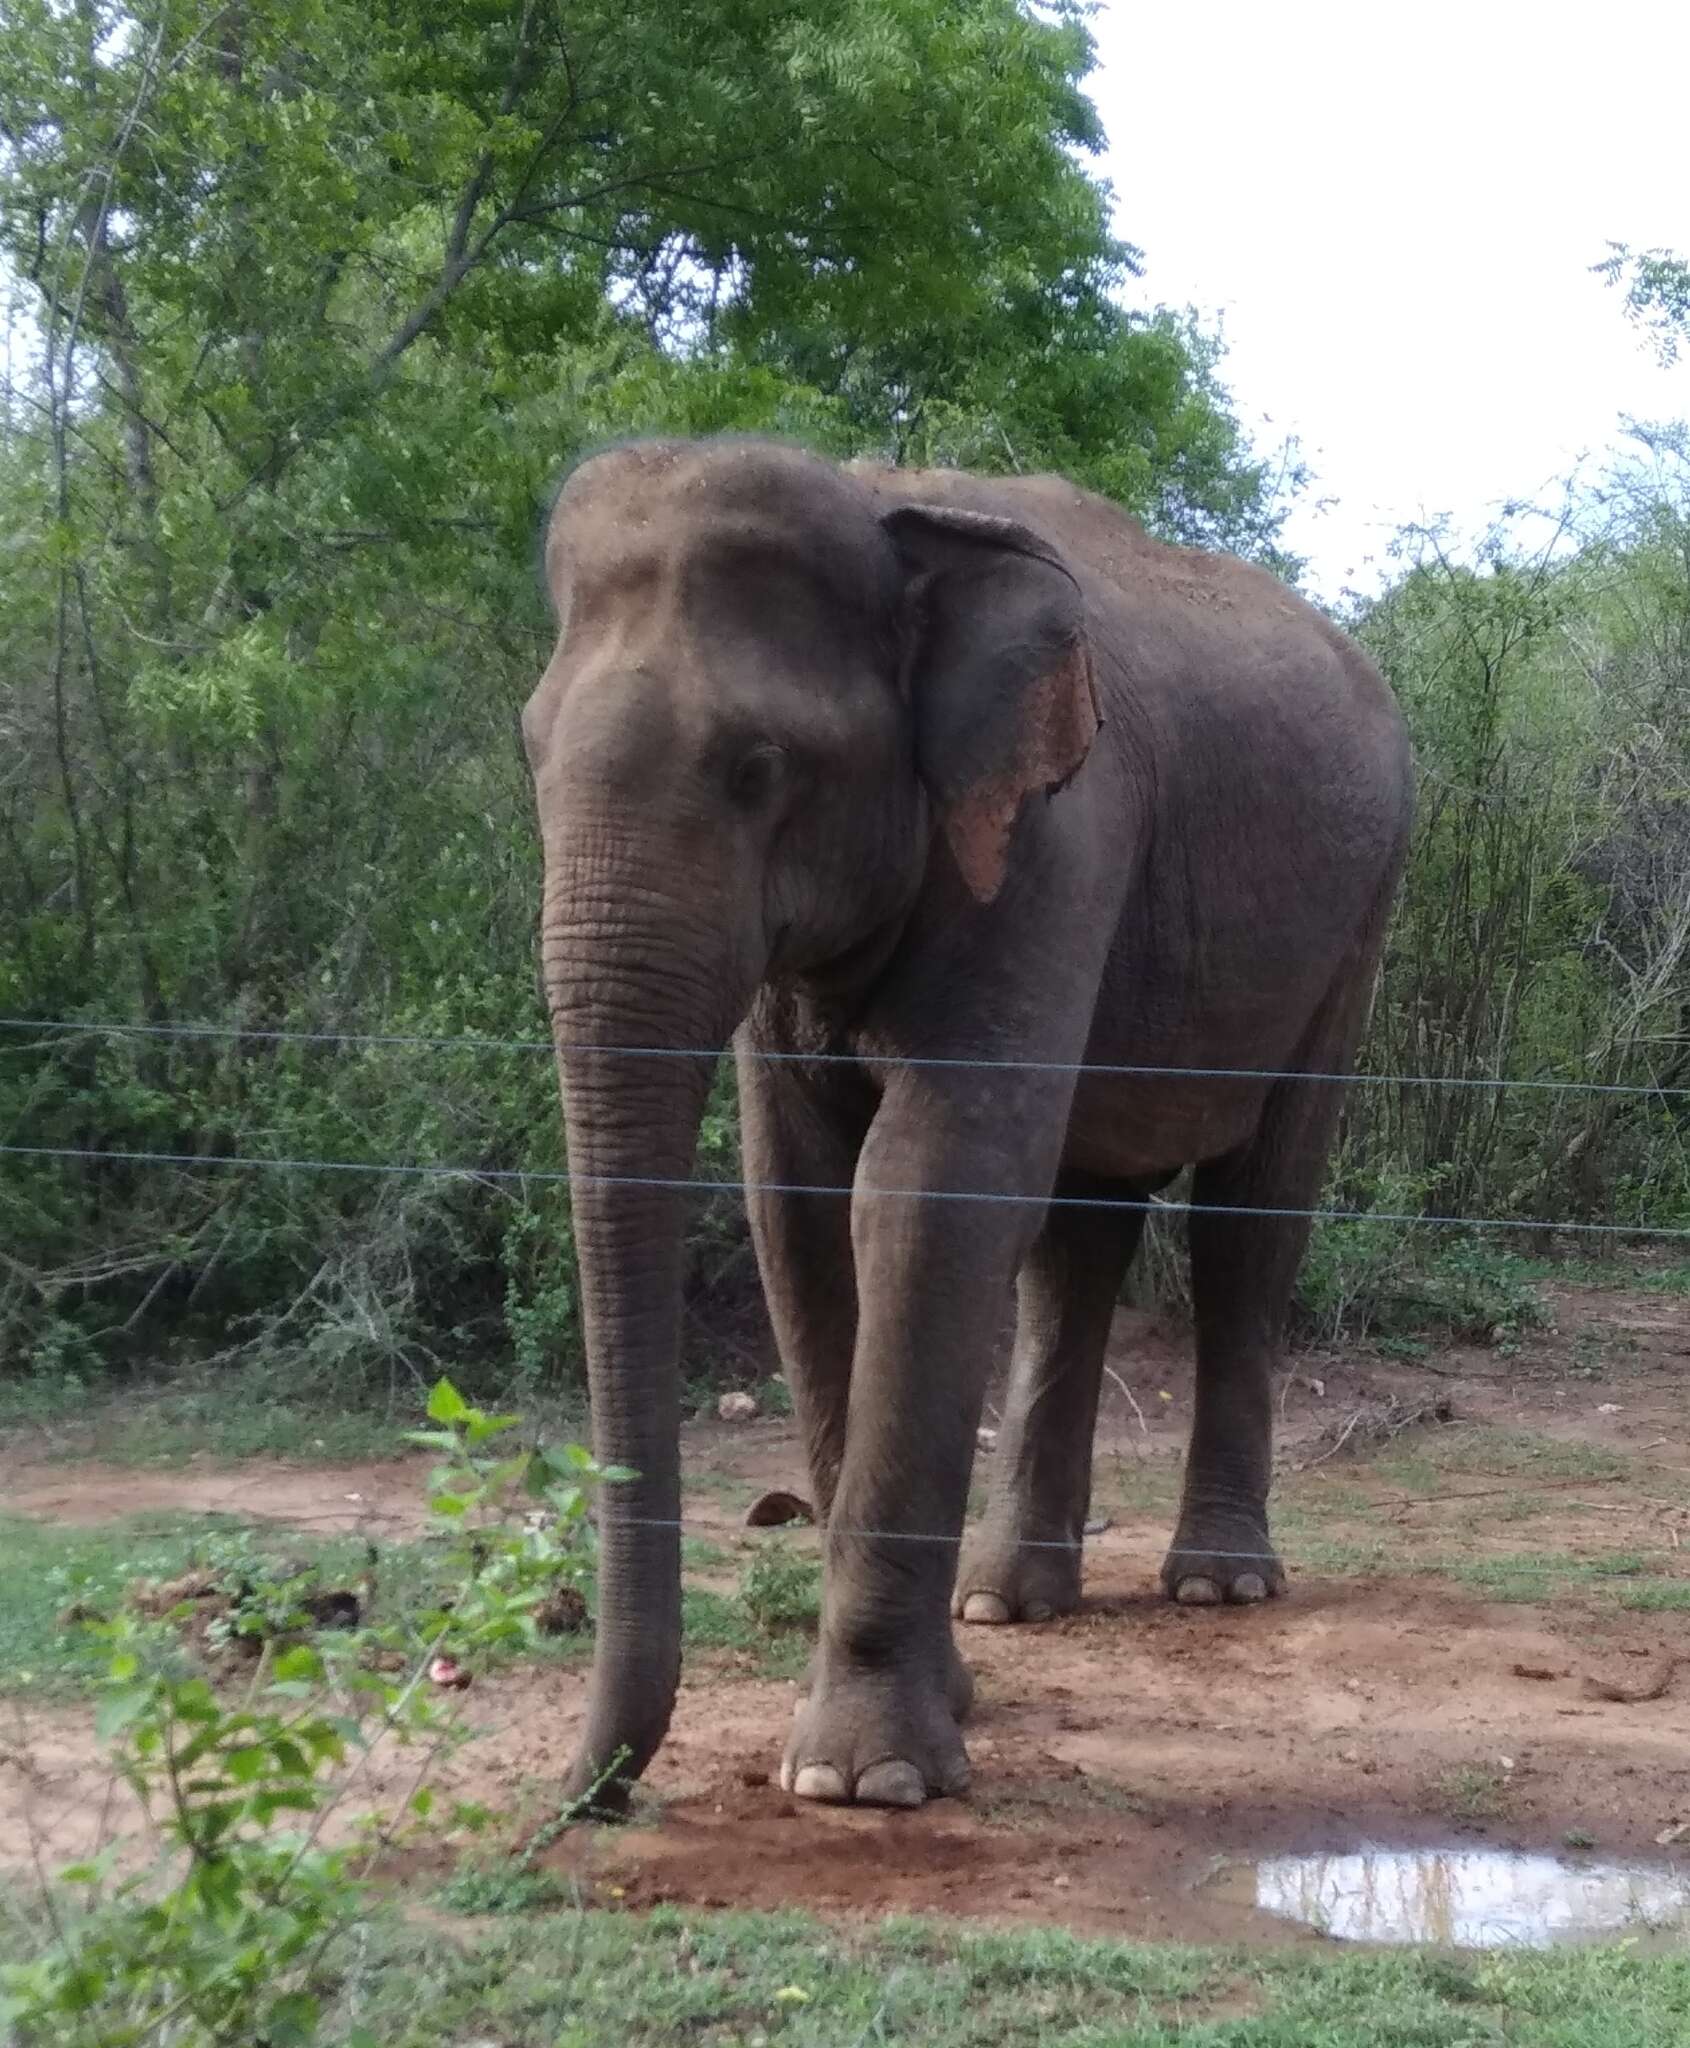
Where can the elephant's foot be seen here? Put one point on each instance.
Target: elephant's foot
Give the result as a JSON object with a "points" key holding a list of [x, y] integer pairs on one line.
{"points": [[1221, 1556], [874, 1739], [1002, 1579], [959, 1682]]}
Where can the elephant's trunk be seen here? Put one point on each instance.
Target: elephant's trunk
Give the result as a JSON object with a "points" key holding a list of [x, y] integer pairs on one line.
{"points": [[626, 980]]}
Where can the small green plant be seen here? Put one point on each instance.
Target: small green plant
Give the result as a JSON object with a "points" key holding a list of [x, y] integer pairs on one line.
{"points": [[1578, 1838], [1475, 1791], [518, 1890], [220, 1937], [781, 1590]]}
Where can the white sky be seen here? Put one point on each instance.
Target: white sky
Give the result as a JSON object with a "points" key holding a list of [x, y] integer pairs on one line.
{"points": [[1394, 210]]}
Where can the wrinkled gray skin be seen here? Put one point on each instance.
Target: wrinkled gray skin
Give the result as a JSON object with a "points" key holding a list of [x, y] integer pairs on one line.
{"points": [[904, 767]]}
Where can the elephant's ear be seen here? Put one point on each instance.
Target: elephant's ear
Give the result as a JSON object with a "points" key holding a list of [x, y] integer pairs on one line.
{"points": [[999, 674]]}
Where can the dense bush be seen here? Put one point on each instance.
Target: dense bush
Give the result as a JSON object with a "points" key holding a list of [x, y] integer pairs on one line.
{"points": [[307, 310]]}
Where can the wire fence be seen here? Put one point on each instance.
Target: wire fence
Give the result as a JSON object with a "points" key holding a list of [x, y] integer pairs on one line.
{"points": [[1102, 1069], [61, 1028], [856, 1191], [57, 1030]]}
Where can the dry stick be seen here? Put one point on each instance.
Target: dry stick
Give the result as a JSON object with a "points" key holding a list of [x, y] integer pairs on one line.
{"points": [[1636, 1695], [1132, 1401]]}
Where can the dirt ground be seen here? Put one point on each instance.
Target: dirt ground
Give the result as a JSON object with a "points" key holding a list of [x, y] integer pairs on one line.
{"points": [[1127, 1754]]}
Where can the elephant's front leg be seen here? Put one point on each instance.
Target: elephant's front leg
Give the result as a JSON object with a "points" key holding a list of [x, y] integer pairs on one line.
{"points": [[791, 1139], [879, 1726]]}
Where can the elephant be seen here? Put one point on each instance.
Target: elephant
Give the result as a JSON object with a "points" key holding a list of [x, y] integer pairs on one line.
{"points": [[1027, 861]]}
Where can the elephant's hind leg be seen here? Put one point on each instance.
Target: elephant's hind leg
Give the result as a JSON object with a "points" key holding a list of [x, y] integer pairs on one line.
{"points": [[1023, 1562], [1243, 1267]]}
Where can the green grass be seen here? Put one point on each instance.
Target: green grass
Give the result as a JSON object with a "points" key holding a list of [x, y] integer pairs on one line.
{"points": [[1669, 1277], [50, 1566], [243, 1416], [781, 1589], [1660, 1596], [1474, 1792], [770, 1635], [567, 1980], [1428, 1460], [253, 1410], [1535, 1575]]}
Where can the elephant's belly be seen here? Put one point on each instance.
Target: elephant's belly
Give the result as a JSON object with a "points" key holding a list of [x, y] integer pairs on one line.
{"points": [[1132, 1127]]}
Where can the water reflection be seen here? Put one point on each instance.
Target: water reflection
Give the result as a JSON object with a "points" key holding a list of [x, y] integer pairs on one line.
{"points": [[1470, 1898]]}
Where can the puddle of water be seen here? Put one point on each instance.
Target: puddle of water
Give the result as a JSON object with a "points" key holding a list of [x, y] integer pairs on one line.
{"points": [[1464, 1898]]}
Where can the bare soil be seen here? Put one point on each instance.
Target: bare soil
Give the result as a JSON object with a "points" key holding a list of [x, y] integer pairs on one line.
{"points": [[1125, 1754]]}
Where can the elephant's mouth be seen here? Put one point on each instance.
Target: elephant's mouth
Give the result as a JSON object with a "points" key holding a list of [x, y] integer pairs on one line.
{"points": [[850, 971]]}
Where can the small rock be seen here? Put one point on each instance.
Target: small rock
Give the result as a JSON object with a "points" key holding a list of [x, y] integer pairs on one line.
{"points": [[775, 1510], [1062, 1882], [1607, 1407], [1349, 1756], [1668, 1836], [448, 1672], [737, 1407], [986, 1438]]}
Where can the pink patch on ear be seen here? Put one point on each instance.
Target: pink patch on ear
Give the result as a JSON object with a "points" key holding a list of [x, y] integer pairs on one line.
{"points": [[1061, 722]]}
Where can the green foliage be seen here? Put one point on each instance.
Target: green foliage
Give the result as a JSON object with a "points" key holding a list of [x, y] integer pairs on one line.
{"points": [[502, 1891], [221, 1936], [316, 302], [1657, 295], [781, 1590]]}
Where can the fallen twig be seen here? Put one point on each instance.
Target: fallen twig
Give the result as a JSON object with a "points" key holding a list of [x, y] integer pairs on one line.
{"points": [[1637, 1695], [1373, 1424], [1144, 1426]]}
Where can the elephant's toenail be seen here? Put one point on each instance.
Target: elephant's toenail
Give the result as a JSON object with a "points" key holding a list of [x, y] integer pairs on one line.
{"points": [[894, 1783], [820, 1781], [1036, 1610], [1198, 1593], [1249, 1586], [988, 1607]]}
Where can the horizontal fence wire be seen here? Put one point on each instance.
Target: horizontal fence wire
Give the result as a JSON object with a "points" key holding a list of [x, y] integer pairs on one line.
{"points": [[461, 1042], [1472, 1565], [1469, 1566], [1151, 1205]]}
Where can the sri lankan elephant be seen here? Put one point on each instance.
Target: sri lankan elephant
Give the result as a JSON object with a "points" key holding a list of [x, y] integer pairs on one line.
{"points": [[933, 790]]}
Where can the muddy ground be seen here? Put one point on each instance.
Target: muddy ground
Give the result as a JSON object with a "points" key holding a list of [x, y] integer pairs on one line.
{"points": [[1464, 1585]]}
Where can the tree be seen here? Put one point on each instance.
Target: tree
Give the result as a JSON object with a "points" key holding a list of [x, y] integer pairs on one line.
{"points": [[1657, 295], [323, 297]]}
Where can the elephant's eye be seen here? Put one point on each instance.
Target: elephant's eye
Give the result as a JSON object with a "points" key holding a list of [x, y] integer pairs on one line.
{"points": [[756, 775]]}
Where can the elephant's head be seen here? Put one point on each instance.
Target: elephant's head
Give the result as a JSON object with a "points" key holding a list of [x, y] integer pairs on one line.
{"points": [[772, 701]]}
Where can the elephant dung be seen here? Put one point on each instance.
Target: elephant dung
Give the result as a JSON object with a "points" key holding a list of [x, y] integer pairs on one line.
{"points": [[775, 1510]]}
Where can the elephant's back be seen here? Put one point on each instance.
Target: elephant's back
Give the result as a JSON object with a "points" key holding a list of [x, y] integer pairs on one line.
{"points": [[1173, 620]]}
